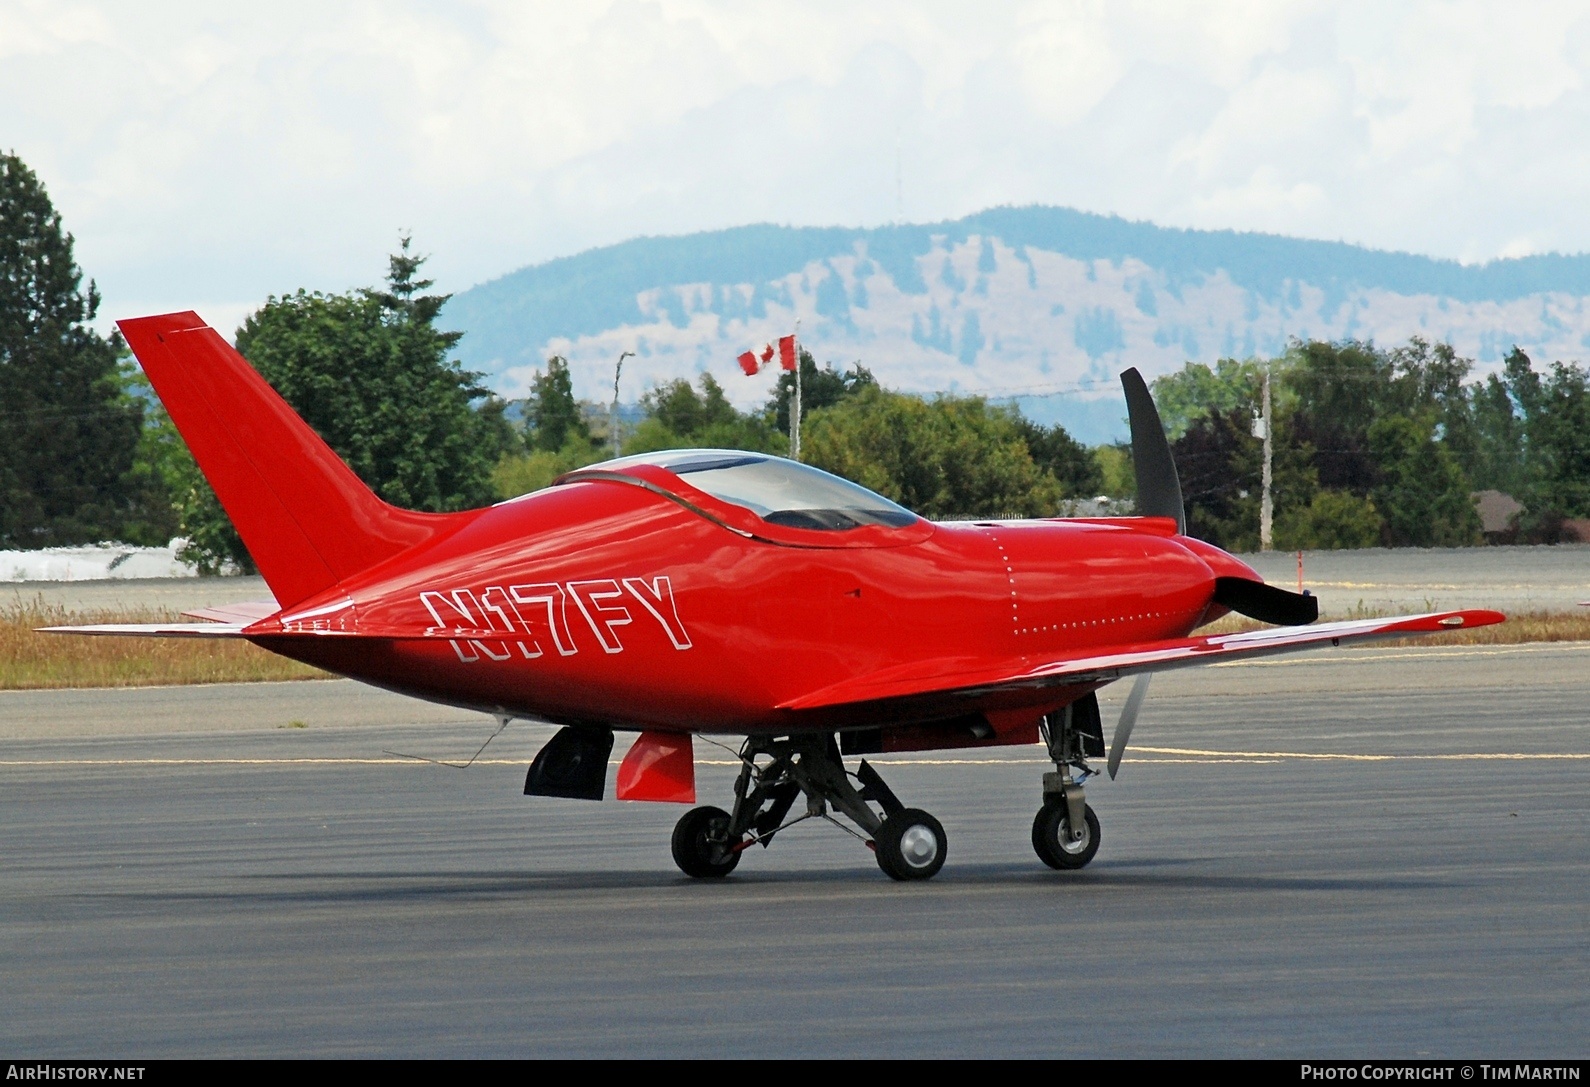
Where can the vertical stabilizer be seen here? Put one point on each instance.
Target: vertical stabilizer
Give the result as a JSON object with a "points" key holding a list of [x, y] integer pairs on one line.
{"points": [[305, 517]]}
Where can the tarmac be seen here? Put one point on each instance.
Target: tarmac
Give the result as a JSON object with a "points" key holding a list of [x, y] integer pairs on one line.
{"points": [[1374, 852]]}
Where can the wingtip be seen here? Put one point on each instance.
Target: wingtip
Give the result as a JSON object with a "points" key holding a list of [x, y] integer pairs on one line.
{"points": [[1452, 620]]}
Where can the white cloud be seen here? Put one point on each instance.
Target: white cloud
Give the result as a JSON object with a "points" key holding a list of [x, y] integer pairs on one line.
{"points": [[228, 153]]}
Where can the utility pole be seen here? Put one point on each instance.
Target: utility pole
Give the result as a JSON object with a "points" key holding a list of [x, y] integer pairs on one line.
{"points": [[795, 405], [1266, 504], [612, 415]]}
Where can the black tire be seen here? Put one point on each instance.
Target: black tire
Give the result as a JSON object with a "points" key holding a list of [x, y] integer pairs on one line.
{"points": [[911, 845], [1051, 842], [701, 844]]}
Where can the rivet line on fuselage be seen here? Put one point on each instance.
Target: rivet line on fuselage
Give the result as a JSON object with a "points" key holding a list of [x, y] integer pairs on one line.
{"points": [[1015, 608], [1080, 623], [1010, 579]]}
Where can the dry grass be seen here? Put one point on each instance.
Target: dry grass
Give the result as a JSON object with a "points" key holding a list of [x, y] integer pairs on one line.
{"points": [[30, 660]]}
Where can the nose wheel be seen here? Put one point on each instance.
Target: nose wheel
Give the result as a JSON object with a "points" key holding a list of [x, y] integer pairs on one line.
{"points": [[1056, 844]]}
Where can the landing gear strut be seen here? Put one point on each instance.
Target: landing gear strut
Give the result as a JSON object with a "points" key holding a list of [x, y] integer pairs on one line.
{"points": [[1065, 832], [910, 844]]}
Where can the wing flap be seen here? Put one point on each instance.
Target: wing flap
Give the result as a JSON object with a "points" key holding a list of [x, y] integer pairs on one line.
{"points": [[1110, 663]]}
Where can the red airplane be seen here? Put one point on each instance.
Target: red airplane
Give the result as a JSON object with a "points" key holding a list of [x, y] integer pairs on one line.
{"points": [[722, 592]]}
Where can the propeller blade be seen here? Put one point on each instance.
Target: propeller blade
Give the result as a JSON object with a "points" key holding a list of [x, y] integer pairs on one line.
{"points": [[1266, 603], [1123, 727], [1158, 486]]}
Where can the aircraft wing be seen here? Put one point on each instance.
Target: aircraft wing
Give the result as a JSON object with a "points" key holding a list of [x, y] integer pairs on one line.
{"points": [[1105, 664], [155, 630]]}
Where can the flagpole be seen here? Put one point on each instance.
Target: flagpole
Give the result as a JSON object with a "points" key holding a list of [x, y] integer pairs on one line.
{"points": [[795, 407]]}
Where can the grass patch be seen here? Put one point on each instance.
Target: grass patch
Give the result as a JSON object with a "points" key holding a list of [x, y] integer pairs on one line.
{"points": [[29, 660]]}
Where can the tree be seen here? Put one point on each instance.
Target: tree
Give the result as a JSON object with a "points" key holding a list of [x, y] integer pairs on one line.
{"points": [[946, 457], [70, 422], [1559, 442], [1071, 463], [1340, 390], [820, 388], [1500, 459], [1220, 464], [1423, 494], [1196, 391], [368, 370], [552, 416], [1118, 473], [677, 416], [1334, 520]]}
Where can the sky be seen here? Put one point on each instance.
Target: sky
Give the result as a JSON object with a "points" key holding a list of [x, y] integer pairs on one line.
{"points": [[207, 156]]}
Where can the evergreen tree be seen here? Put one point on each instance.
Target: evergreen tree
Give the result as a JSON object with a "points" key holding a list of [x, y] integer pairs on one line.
{"points": [[1559, 442], [69, 427], [552, 416], [1423, 494], [369, 372], [1499, 460]]}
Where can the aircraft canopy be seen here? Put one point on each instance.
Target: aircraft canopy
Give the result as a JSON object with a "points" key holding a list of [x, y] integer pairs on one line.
{"points": [[778, 490]]}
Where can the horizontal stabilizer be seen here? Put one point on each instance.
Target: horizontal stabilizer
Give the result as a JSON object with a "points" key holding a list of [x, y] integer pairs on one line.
{"points": [[244, 611]]}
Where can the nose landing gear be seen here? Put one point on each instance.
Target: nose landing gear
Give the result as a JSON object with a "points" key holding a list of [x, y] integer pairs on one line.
{"points": [[909, 843], [1065, 832]]}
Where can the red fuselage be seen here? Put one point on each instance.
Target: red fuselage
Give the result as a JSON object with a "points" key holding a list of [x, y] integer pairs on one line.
{"points": [[649, 604]]}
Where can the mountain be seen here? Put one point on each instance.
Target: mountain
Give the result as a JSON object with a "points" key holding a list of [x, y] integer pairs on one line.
{"points": [[1043, 305]]}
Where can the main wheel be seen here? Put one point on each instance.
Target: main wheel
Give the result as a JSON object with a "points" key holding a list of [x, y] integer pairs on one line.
{"points": [[911, 845], [1052, 842], [701, 844]]}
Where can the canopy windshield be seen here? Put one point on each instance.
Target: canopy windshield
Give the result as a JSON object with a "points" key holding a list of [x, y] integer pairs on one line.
{"points": [[780, 491]]}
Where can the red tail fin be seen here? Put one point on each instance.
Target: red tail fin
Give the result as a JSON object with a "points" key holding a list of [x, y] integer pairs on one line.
{"points": [[306, 519]]}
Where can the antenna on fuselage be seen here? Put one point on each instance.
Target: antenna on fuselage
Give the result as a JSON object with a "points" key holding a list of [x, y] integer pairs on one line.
{"points": [[502, 723], [1158, 485]]}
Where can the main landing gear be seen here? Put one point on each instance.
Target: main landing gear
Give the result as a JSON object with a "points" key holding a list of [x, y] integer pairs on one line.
{"points": [[1065, 832], [707, 842]]}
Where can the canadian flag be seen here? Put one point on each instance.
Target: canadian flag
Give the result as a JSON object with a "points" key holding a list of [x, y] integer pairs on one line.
{"points": [[752, 363]]}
